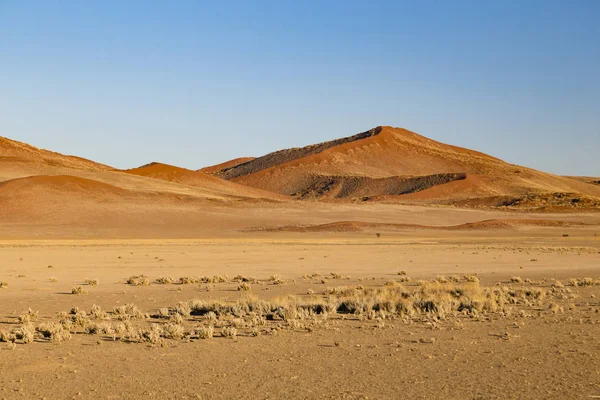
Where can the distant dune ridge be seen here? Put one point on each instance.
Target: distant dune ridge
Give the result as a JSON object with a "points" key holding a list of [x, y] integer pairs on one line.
{"points": [[383, 166]]}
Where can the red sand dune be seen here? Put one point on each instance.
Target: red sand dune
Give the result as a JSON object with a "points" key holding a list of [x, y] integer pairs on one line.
{"points": [[199, 179], [396, 154]]}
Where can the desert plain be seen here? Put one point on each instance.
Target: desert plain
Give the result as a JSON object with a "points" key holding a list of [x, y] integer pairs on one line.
{"points": [[379, 266]]}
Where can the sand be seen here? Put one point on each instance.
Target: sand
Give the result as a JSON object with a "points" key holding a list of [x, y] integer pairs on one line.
{"points": [[485, 287], [549, 356]]}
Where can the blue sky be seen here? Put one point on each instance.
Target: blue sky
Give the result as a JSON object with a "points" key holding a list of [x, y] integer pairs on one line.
{"points": [[194, 83]]}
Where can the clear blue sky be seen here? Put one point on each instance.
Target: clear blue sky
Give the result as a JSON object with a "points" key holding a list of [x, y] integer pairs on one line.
{"points": [[196, 82]]}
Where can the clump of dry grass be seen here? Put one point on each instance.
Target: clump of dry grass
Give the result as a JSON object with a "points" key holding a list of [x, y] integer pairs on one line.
{"points": [[516, 279], [215, 279], [91, 282], [587, 281], [127, 312], [244, 286], [3, 285], [247, 279], [138, 280], [25, 333], [205, 332], [54, 331], [276, 280], [229, 332], [471, 278], [78, 290], [164, 280], [189, 280], [403, 272], [404, 278], [97, 313], [173, 331]]}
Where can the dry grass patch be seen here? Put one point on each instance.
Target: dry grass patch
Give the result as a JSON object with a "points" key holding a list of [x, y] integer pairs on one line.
{"points": [[138, 280], [78, 290], [91, 282], [3, 285], [164, 280]]}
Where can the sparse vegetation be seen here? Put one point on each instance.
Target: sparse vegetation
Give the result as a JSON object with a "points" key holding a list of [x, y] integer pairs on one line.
{"points": [[91, 282], [78, 290], [164, 280], [138, 280]]}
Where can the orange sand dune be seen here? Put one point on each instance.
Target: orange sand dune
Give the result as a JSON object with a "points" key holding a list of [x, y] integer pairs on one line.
{"points": [[386, 152], [357, 226], [63, 183], [13, 151], [188, 177], [227, 164]]}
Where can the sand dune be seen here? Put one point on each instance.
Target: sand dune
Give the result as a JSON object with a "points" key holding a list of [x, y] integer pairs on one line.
{"points": [[395, 153], [227, 164], [13, 151], [358, 226], [199, 179]]}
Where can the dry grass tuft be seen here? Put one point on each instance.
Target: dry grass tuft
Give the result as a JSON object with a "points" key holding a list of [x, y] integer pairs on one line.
{"points": [[471, 278], [205, 332], [138, 280], [164, 280], [3, 285], [54, 331], [91, 282], [78, 290], [244, 287], [229, 332]]}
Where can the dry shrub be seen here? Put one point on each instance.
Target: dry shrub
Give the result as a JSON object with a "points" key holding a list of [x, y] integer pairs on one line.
{"points": [[241, 278], [78, 290], [244, 287], [205, 332], [471, 278], [127, 312], [91, 282], [189, 280], [138, 280], [3, 285], [276, 280], [584, 282], [25, 333], [173, 331], [164, 280], [152, 335], [229, 332], [516, 279], [98, 313], [54, 331]]}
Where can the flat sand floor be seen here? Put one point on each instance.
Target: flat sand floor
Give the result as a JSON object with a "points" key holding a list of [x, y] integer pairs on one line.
{"points": [[531, 356]]}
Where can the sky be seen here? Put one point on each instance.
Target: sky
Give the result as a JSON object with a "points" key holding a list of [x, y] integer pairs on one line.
{"points": [[194, 83]]}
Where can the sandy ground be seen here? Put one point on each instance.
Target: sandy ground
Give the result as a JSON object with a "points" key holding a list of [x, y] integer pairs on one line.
{"points": [[543, 356]]}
